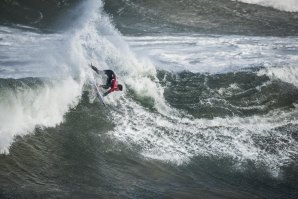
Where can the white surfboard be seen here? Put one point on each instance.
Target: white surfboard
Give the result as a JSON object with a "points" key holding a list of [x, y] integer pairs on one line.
{"points": [[99, 95]]}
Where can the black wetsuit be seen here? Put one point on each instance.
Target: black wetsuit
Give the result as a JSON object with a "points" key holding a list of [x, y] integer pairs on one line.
{"points": [[111, 75]]}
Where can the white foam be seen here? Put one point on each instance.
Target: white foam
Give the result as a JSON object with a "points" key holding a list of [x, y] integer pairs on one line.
{"points": [[64, 58], [286, 73], [108, 50], [22, 110], [284, 5], [215, 54], [177, 139], [44, 56], [59, 59], [171, 136]]}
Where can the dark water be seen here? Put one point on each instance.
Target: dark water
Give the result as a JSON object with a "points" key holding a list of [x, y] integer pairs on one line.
{"points": [[35, 13], [203, 16], [252, 96], [229, 131]]}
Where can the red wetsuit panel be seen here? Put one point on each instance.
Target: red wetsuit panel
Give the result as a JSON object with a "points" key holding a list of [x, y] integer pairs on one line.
{"points": [[114, 86]]}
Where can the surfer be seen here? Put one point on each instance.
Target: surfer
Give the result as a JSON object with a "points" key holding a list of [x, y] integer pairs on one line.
{"points": [[111, 82]]}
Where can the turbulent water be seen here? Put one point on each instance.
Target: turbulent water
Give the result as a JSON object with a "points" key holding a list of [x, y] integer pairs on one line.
{"points": [[209, 109]]}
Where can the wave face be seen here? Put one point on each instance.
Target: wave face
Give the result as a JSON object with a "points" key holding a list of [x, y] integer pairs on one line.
{"points": [[210, 115], [219, 84]]}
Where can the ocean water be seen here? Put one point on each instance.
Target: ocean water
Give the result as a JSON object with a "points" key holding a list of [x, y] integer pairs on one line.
{"points": [[209, 107]]}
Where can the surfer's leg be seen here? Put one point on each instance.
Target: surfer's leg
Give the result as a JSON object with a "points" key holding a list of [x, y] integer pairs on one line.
{"points": [[109, 81], [104, 86], [107, 85]]}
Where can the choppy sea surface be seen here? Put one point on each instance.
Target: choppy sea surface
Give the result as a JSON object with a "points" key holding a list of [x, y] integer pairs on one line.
{"points": [[209, 109]]}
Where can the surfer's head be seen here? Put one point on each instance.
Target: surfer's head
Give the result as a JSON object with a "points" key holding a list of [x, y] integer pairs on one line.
{"points": [[120, 87]]}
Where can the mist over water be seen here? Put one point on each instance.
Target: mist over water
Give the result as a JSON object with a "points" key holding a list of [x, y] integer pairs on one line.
{"points": [[209, 106]]}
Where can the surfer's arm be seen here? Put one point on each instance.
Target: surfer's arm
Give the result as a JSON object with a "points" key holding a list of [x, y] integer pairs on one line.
{"points": [[95, 69]]}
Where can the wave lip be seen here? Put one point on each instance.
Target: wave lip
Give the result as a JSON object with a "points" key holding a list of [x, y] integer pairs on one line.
{"points": [[48, 77], [28, 103]]}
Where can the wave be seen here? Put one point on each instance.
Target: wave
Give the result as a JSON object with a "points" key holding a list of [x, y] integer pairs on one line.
{"points": [[179, 138], [143, 117], [218, 112], [250, 120], [286, 73], [222, 95], [29, 103], [42, 78], [61, 62], [244, 92], [285, 5]]}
